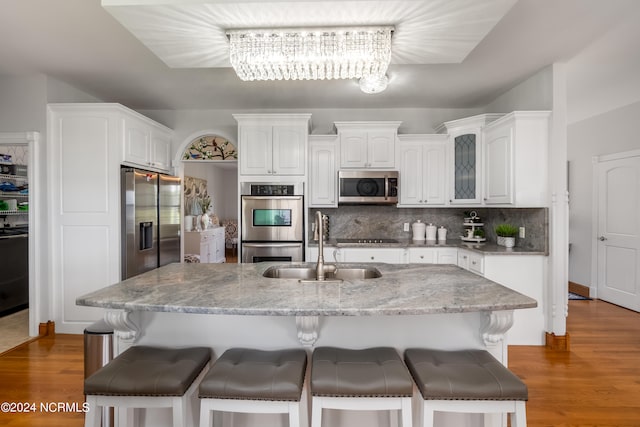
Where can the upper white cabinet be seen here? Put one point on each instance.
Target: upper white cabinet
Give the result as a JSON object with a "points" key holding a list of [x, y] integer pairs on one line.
{"points": [[465, 158], [323, 170], [145, 143], [515, 159], [422, 166], [272, 144], [367, 144]]}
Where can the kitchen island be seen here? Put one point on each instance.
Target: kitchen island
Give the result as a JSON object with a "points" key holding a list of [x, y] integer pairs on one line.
{"points": [[229, 305]]}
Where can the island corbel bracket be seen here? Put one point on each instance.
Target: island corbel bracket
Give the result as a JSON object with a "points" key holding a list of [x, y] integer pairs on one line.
{"points": [[307, 327], [124, 328], [495, 324]]}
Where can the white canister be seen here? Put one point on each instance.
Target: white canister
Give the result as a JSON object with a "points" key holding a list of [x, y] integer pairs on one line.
{"points": [[418, 228], [442, 234], [188, 223], [431, 231]]}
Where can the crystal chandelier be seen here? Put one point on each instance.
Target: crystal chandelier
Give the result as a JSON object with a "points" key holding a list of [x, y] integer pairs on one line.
{"points": [[312, 53]]}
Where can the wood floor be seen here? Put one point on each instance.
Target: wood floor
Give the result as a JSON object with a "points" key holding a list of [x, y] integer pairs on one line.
{"points": [[597, 383]]}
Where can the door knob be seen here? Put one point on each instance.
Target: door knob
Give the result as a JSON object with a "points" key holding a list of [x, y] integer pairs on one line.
{"points": [[602, 238]]}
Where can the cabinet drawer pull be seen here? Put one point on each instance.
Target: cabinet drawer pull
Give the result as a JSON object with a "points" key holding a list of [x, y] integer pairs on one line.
{"points": [[373, 258]]}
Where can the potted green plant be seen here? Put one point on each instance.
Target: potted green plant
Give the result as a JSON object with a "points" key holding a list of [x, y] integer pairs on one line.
{"points": [[506, 234]]}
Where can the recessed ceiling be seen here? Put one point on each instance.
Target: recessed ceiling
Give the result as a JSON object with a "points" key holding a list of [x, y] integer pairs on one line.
{"points": [[192, 34], [80, 43]]}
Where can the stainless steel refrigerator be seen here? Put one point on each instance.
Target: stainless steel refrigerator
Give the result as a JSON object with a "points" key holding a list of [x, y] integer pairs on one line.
{"points": [[150, 220]]}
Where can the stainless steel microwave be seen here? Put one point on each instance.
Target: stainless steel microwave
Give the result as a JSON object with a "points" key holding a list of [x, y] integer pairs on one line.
{"points": [[368, 187]]}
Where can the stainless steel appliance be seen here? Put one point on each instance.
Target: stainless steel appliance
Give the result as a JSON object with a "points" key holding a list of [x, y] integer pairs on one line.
{"points": [[150, 220], [272, 223], [368, 187]]}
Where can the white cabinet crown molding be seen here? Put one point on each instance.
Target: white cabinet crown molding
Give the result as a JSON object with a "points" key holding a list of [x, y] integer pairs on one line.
{"points": [[366, 125], [468, 122]]}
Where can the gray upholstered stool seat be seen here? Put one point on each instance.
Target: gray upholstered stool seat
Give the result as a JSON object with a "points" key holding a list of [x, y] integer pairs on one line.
{"points": [[375, 371], [147, 377], [466, 375], [149, 371], [366, 379], [255, 381], [242, 373]]}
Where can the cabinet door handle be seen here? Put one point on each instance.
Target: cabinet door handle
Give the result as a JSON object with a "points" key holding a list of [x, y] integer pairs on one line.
{"points": [[421, 256], [602, 238]]}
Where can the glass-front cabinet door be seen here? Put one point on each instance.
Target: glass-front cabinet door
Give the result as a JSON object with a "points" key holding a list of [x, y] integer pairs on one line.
{"points": [[465, 182]]}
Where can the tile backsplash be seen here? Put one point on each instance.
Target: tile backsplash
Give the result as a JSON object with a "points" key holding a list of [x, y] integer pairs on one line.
{"points": [[387, 222]]}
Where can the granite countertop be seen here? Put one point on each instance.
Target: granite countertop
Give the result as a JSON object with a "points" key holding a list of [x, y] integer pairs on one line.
{"points": [[240, 289], [486, 248]]}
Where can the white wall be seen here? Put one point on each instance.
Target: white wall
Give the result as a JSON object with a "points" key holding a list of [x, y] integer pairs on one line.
{"points": [[535, 93], [603, 108], [611, 132]]}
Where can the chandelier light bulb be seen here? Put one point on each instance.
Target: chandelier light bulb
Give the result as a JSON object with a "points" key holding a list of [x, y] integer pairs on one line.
{"points": [[373, 84]]}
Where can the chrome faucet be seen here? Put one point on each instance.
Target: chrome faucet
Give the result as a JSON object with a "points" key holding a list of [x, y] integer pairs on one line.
{"points": [[321, 268]]}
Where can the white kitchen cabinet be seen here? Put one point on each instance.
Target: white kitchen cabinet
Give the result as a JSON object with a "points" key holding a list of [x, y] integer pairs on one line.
{"points": [[515, 159], [208, 244], [367, 144], [272, 144], [465, 158], [388, 255], [422, 167], [145, 143], [330, 254], [84, 154], [433, 255], [471, 261], [527, 275], [323, 170]]}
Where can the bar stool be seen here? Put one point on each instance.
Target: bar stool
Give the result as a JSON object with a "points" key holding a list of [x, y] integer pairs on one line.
{"points": [[256, 381], [147, 377], [369, 379], [470, 381]]}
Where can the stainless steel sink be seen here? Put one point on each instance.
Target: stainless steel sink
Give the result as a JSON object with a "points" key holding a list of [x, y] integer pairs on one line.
{"points": [[309, 273]]}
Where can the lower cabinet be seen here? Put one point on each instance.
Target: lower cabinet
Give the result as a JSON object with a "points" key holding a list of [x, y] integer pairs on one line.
{"points": [[208, 244], [471, 261], [388, 255], [330, 254], [433, 255]]}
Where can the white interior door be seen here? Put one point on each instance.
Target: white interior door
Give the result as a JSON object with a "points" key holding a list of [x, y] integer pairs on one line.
{"points": [[618, 238]]}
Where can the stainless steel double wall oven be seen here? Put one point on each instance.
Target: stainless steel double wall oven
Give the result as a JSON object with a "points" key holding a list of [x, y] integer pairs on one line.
{"points": [[272, 222]]}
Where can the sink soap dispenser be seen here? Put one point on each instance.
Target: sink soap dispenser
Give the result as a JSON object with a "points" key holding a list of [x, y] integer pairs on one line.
{"points": [[418, 228]]}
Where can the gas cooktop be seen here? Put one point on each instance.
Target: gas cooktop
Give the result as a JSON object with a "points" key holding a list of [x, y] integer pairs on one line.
{"points": [[366, 242]]}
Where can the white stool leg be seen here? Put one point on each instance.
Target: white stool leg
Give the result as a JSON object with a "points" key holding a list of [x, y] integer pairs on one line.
{"points": [[519, 417], [205, 413], [406, 411], [179, 411], [294, 414], [427, 415], [94, 415], [316, 411]]}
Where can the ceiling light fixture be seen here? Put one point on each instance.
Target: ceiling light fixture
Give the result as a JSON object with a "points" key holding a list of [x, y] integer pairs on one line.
{"points": [[312, 54]]}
